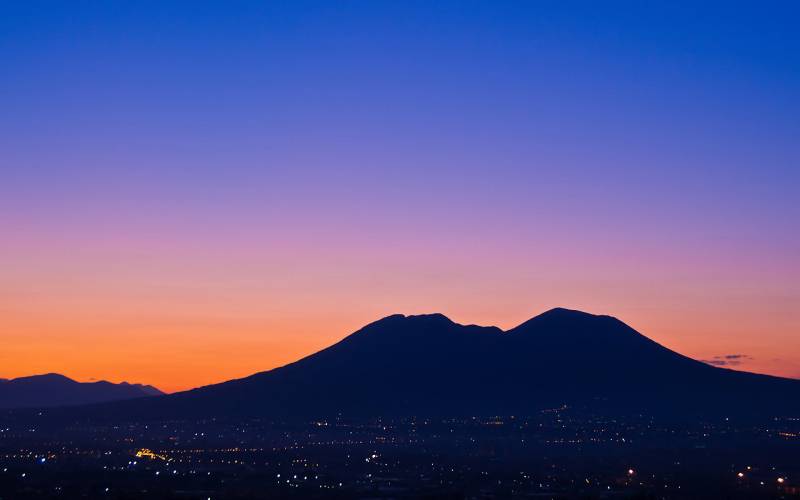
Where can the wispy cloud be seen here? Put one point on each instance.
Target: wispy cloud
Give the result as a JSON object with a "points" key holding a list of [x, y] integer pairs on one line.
{"points": [[728, 359]]}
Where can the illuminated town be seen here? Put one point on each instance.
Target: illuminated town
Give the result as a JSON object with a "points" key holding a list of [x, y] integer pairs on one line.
{"points": [[559, 453]]}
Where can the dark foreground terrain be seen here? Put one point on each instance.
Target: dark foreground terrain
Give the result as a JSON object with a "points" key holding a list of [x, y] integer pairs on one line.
{"points": [[556, 453]]}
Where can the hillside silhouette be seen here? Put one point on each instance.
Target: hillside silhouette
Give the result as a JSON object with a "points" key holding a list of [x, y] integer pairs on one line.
{"points": [[53, 390], [430, 365]]}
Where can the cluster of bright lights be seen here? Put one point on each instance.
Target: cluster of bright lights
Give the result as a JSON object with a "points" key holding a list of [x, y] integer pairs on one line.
{"points": [[781, 480]]}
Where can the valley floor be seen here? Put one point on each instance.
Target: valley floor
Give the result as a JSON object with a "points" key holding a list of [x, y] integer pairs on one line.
{"points": [[559, 453]]}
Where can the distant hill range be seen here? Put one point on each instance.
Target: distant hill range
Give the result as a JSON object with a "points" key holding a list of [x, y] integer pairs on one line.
{"points": [[52, 390], [429, 365]]}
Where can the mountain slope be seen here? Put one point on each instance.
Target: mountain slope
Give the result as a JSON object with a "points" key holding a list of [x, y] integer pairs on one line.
{"points": [[52, 390], [429, 365]]}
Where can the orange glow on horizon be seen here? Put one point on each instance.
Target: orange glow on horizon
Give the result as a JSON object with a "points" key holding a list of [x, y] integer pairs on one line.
{"points": [[183, 317], [177, 351]]}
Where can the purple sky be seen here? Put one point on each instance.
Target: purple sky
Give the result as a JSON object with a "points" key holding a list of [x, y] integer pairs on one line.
{"points": [[254, 182]]}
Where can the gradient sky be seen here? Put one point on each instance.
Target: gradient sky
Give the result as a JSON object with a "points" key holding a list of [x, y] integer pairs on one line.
{"points": [[191, 192]]}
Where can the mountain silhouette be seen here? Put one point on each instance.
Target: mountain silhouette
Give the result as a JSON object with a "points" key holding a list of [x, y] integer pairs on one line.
{"points": [[52, 390], [429, 365]]}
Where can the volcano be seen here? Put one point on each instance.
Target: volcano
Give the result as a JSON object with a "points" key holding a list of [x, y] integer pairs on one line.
{"points": [[430, 365]]}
